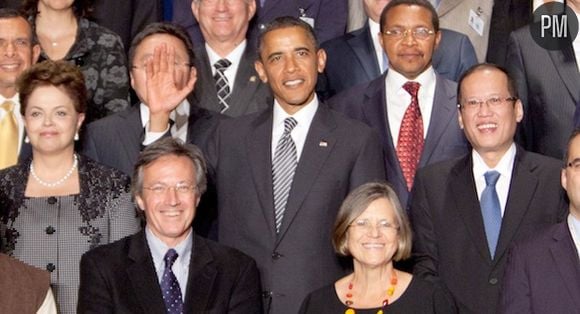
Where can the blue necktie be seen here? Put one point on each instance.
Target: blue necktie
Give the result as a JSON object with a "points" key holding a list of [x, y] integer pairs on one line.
{"points": [[170, 286], [491, 211]]}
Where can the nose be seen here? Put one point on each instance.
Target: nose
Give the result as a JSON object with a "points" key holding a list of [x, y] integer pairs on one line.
{"points": [[9, 49], [483, 109], [290, 65], [221, 4], [374, 231], [172, 197], [47, 120], [409, 38]]}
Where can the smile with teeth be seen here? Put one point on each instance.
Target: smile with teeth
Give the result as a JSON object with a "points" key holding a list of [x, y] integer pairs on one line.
{"points": [[171, 213], [373, 245], [487, 126], [293, 82], [9, 67]]}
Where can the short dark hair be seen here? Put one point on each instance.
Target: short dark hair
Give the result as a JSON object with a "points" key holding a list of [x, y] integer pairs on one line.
{"points": [[7, 13], [162, 28], [287, 22], [512, 89], [422, 3], [61, 74], [81, 8], [573, 135], [356, 203], [169, 146]]}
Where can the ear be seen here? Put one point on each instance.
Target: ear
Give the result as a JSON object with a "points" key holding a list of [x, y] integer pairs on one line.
{"points": [[35, 53], [437, 39], [251, 9], [259, 66], [80, 120], [519, 110], [459, 118], [563, 179], [321, 55], [140, 202], [195, 9]]}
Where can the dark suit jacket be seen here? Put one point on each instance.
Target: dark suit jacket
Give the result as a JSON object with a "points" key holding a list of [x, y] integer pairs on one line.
{"points": [[543, 274], [549, 87], [444, 138], [352, 61], [249, 93], [339, 154], [507, 16], [450, 241], [121, 278], [116, 140]]}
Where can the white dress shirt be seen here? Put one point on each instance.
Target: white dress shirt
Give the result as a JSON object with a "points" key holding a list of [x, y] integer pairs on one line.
{"points": [[17, 115], [234, 57], [375, 28], [505, 167], [150, 137]]}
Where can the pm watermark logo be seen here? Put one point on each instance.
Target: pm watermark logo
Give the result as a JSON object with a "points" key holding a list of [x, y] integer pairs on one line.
{"points": [[555, 26]]}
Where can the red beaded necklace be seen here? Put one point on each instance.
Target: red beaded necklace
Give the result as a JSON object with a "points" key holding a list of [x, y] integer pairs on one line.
{"points": [[390, 292]]}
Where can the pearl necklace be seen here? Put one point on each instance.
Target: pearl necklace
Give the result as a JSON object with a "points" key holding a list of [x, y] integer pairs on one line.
{"points": [[385, 303], [59, 181]]}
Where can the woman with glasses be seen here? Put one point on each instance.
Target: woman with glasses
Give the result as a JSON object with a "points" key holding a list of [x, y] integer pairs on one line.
{"points": [[58, 204], [373, 229]]}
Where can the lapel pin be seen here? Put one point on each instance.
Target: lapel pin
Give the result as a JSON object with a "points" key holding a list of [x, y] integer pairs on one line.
{"points": [[323, 144], [253, 78]]}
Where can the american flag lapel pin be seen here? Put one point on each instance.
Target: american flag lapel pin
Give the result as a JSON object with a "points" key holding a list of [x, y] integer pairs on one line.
{"points": [[323, 144]]}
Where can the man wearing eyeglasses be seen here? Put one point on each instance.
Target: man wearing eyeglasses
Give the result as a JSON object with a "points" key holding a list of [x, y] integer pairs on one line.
{"points": [[167, 268], [410, 106], [466, 212], [163, 78]]}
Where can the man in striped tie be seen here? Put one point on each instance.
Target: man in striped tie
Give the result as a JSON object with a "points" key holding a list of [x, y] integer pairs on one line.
{"points": [[282, 173]]}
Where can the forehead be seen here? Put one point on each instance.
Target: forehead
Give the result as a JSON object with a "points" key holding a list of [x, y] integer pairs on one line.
{"points": [[147, 46], [169, 168], [15, 27], [380, 207], [403, 15], [49, 96], [287, 38], [484, 81], [574, 148]]}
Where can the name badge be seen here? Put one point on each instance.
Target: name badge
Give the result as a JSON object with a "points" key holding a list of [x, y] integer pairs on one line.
{"points": [[476, 22]]}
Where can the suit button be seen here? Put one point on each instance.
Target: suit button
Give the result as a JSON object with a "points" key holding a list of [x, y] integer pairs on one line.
{"points": [[276, 255], [50, 267], [50, 230], [493, 281], [51, 200], [261, 26]]}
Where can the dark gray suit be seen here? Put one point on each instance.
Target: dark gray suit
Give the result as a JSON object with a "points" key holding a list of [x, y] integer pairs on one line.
{"points": [[444, 139], [352, 60], [121, 278], [116, 140], [549, 87], [450, 241], [543, 274], [249, 93], [339, 154]]}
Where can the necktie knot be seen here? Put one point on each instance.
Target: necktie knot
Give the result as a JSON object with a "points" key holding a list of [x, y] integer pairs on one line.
{"points": [[170, 258], [8, 106], [289, 125], [491, 178], [222, 64], [412, 88]]}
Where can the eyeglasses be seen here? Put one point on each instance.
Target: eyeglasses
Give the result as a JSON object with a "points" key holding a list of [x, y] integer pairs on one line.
{"points": [[382, 225], [176, 64], [492, 102], [161, 189], [574, 164], [421, 33]]}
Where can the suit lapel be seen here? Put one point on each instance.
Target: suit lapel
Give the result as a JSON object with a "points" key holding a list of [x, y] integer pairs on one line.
{"points": [[443, 113], [447, 5], [245, 86], [467, 204], [314, 154], [362, 46], [566, 66], [130, 133], [259, 152], [205, 93], [522, 190], [566, 259], [142, 276], [201, 277]]}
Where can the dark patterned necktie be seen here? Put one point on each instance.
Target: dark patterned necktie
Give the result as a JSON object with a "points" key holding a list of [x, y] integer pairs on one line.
{"points": [[221, 83], [170, 286], [491, 211], [410, 142], [283, 167]]}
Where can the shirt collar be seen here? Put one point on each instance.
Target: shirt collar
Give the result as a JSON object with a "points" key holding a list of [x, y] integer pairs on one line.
{"points": [[183, 109], [425, 79], [158, 248], [504, 166], [304, 116], [234, 56]]}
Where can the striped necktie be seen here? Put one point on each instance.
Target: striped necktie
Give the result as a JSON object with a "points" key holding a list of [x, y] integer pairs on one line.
{"points": [[221, 83], [283, 167]]}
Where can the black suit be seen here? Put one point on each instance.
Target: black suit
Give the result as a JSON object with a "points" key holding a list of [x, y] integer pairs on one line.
{"points": [[450, 241], [116, 140], [121, 278], [249, 93], [339, 154]]}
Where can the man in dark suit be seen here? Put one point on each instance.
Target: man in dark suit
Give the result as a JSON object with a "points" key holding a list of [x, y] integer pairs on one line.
{"points": [[167, 268], [507, 16], [548, 84], [282, 173], [162, 76], [17, 53], [466, 212], [543, 272], [235, 90], [358, 57], [383, 102]]}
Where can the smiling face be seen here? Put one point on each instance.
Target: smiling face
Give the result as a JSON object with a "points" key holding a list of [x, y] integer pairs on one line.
{"points": [[373, 246], [169, 214], [17, 53], [223, 21], [290, 63], [489, 129], [51, 120], [408, 55]]}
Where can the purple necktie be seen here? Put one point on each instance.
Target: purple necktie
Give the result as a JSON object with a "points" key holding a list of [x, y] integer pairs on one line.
{"points": [[170, 286]]}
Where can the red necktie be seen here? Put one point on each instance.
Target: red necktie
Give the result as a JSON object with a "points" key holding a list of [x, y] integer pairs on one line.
{"points": [[410, 143]]}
